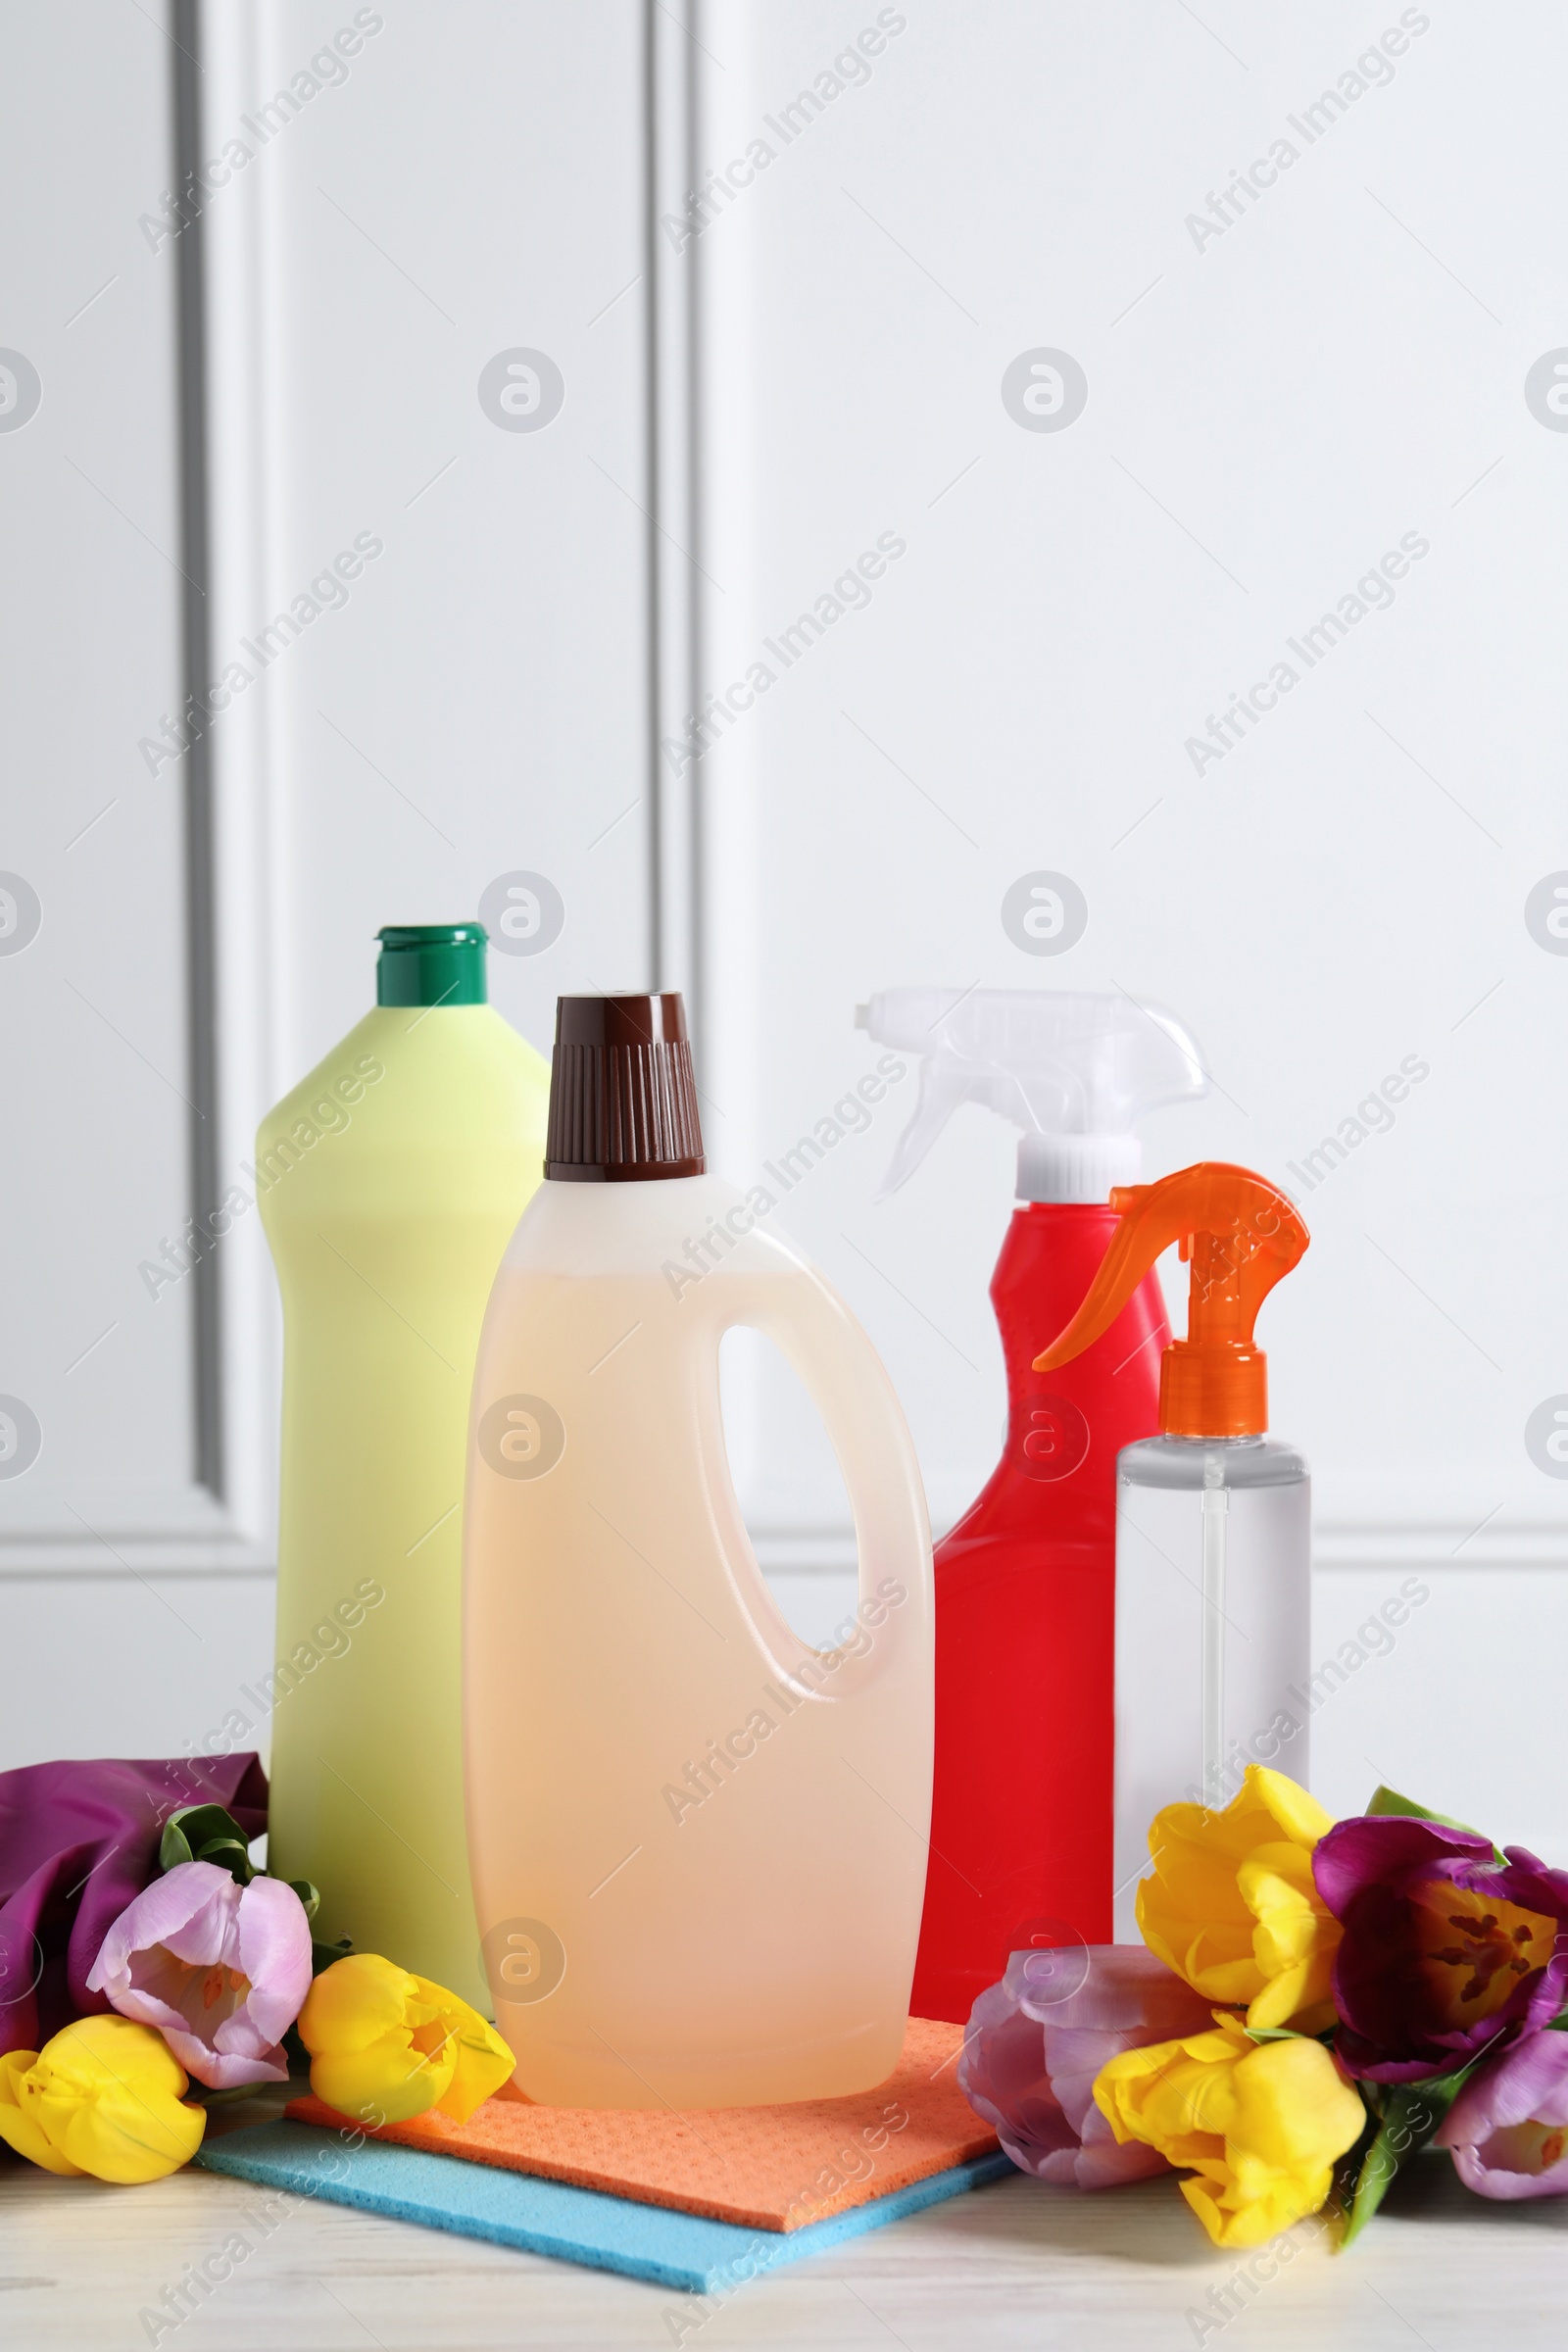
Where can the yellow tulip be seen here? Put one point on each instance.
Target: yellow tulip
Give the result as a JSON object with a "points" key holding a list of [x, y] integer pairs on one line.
{"points": [[1259, 2124], [1232, 1906], [103, 2097], [385, 2045]]}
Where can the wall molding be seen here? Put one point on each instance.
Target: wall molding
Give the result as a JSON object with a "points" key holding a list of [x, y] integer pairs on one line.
{"points": [[197, 642], [1435, 1550], [216, 1544], [672, 322], [246, 325]]}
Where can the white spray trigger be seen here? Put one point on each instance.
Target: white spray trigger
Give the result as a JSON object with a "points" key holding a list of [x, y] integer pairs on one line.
{"points": [[1074, 1072]]}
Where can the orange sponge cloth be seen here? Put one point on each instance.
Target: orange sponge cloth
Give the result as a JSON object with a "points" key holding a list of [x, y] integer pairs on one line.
{"points": [[767, 2168]]}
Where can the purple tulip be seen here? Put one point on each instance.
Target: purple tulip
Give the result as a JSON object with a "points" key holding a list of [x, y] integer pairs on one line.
{"points": [[1036, 2041], [1507, 2131], [221, 1970], [1446, 1951]]}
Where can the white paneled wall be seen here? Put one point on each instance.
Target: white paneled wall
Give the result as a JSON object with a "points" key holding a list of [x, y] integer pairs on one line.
{"points": [[1331, 886], [783, 258], [93, 1029], [108, 1108]]}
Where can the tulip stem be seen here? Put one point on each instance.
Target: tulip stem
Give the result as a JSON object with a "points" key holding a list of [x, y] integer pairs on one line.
{"points": [[1411, 2113]]}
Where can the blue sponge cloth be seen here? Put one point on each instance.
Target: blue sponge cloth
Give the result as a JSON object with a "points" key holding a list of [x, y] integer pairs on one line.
{"points": [[547, 2217]]}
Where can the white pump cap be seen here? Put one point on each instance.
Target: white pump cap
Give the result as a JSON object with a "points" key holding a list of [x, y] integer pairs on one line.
{"points": [[1073, 1071]]}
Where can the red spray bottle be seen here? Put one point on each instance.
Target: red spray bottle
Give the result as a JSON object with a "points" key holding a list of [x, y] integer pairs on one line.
{"points": [[1021, 1823]]}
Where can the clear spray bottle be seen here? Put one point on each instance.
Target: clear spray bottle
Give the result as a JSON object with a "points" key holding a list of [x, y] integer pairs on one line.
{"points": [[1213, 1516]]}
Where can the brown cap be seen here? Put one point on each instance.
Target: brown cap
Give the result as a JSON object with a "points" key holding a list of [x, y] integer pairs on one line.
{"points": [[623, 1098]]}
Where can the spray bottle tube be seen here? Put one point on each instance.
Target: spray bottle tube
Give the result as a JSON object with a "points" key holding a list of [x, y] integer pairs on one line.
{"points": [[1213, 1517]]}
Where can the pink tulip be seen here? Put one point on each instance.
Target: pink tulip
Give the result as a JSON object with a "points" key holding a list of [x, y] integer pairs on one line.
{"points": [[1037, 2041], [221, 1970], [1507, 2131]]}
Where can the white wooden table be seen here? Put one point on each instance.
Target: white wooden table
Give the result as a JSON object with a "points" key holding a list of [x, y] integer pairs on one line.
{"points": [[1011, 2264]]}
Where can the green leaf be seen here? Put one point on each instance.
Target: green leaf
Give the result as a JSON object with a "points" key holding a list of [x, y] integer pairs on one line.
{"points": [[1276, 2033], [308, 1894], [205, 1834], [323, 1955], [1411, 2113], [228, 1854], [173, 1846]]}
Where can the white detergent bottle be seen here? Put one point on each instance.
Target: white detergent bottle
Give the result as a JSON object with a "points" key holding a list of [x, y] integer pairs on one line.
{"points": [[697, 1845], [1213, 1517]]}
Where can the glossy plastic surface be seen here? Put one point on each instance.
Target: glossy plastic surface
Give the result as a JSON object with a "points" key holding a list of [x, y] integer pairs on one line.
{"points": [[1213, 1607], [698, 1845], [1241, 1236], [431, 964], [395, 1174], [1021, 1827]]}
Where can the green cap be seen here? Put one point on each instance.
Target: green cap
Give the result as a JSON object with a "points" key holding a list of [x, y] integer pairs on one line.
{"points": [[431, 964]]}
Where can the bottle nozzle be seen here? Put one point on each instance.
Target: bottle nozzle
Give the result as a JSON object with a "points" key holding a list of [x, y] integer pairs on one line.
{"points": [[1074, 1072], [1240, 1236]]}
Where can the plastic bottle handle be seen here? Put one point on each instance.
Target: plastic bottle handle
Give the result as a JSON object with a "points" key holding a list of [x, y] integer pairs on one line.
{"points": [[843, 1376]]}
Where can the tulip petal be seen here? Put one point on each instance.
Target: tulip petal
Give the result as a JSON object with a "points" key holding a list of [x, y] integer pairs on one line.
{"points": [[127, 2140], [105, 2093], [1446, 1952], [1232, 1905], [215, 1967], [1507, 2131], [480, 2060], [355, 2003], [1037, 2041], [209, 1938], [1376, 1847], [1101, 1988], [384, 2082], [387, 2045], [19, 2124], [1297, 1812], [1108, 2166], [483, 2062], [160, 1912], [226, 2070], [1259, 2124], [219, 1970], [274, 1955]]}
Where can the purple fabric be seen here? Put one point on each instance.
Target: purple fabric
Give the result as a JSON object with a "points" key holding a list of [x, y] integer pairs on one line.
{"points": [[1036, 2041], [1381, 1877], [78, 1842], [1507, 2131]]}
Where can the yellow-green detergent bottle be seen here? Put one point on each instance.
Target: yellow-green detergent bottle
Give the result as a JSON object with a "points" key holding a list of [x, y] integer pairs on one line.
{"points": [[391, 1180]]}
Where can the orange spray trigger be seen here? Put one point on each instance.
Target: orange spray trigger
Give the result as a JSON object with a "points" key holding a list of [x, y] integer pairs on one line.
{"points": [[1241, 1236]]}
